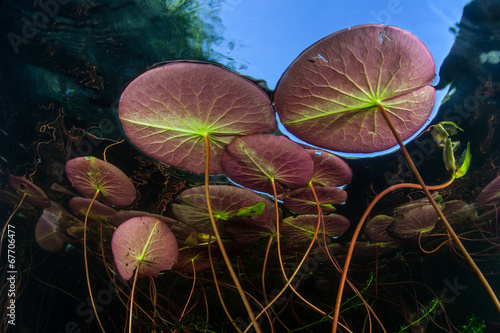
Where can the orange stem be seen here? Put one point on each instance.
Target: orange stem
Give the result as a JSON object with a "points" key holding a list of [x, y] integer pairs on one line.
{"points": [[85, 258], [221, 245]]}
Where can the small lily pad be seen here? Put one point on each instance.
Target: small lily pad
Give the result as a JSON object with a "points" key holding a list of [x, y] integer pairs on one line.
{"points": [[146, 244], [89, 175], [34, 195]]}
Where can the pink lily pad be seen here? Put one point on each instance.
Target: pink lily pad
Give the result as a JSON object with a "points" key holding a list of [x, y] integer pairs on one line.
{"points": [[198, 256], [302, 228], [89, 175], [377, 230], [246, 231], [413, 219], [489, 197], [254, 160], [226, 202], [146, 244], [34, 195], [329, 95], [329, 169], [302, 201], [48, 232], [167, 111], [98, 214]]}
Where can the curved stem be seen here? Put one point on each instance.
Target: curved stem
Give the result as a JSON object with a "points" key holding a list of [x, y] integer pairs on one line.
{"points": [[132, 300], [221, 245], [436, 208], [192, 290], [263, 277], [440, 213], [226, 311], [85, 257], [289, 280], [356, 233]]}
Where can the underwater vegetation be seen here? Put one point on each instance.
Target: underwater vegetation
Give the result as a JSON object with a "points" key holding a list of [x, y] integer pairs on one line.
{"points": [[257, 232]]}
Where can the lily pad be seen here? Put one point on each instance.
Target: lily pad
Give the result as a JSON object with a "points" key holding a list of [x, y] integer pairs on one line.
{"points": [[377, 230], [329, 169], [98, 214], [198, 256], [489, 198], [34, 195], [227, 202], [246, 231], [254, 161], [414, 219], [146, 244], [302, 201], [48, 232], [458, 213], [13, 200], [329, 95], [89, 175], [167, 111], [302, 228]]}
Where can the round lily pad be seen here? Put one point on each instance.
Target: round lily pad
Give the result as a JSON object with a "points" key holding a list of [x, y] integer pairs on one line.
{"points": [[330, 94], [146, 244], [413, 219], [302, 228], [254, 161], [48, 232], [89, 175], [168, 110]]}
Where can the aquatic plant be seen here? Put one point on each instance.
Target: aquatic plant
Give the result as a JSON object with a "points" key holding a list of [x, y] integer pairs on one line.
{"points": [[168, 110], [29, 193], [98, 179], [146, 245], [363, 89]]}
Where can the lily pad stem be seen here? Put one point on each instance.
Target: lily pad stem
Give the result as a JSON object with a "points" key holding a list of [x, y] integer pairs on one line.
{"points": [[221, 245], [85, 257], [440, 213]]}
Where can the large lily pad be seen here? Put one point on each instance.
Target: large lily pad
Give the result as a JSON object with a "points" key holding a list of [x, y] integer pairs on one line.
{"points": [[146, 244], [254, 161], [167, 111], [329, 94], [89, 175]]}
